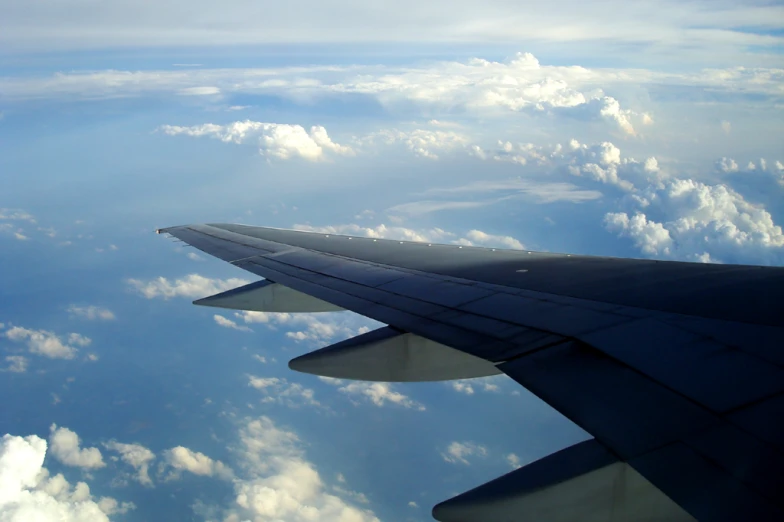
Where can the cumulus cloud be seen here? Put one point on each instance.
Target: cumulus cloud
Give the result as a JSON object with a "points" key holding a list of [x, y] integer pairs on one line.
{"points": [[601, 162], [11, 220], [460, 452], [111, 506], [191, 286], [377, 393], [16, 232], [650, 237], [423, 143], [16, 364], [513, 460], [91, 312], [28, 492], [65, 448], [726, 165], [312, 328], [278, 140], [432, 235], [278, 483], [48, 344], [702, 222], [381, 232], [183, 459], [469, 386], [280, 391], [15, 214], [775, 171], [462, 386], [610, 109], [136, 456], [479, 238], [228, 323]]}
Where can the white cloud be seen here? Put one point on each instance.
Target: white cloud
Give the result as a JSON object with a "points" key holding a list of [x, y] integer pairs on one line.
{"points": [[15, 214], [610, 109], [111, 506], [423, 143], [726, 165], [136, 456], [47, 343], [601, 162], [183, 459], [28, 492], [703, 223], [513, 460], [228, 323], [581, 28], [312, 328], [191, 286], [433, 235], [280, 484], [462, 386], [16, 364], [199, 91], [649, 236], [91, 312], [18, 233], [65, 448], [469, 386], [279, 140], [10, 219], [519, 84], [413, 504], [479, 238], [460, 452], [377, 393], [279, 390], [193, 256]]}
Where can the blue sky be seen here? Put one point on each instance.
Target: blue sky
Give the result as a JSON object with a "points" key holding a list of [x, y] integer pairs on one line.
{"points": [[571, 128]]}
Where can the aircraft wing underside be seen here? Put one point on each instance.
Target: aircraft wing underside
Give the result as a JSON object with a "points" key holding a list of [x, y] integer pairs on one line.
{"points": [[675, 369]]}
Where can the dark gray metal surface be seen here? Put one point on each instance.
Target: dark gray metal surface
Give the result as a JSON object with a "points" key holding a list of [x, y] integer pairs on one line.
{"points": [[733, 292], [657, 360]]}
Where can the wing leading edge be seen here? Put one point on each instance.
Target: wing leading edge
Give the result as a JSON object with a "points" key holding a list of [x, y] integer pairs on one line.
{"points": [[675, 369]]}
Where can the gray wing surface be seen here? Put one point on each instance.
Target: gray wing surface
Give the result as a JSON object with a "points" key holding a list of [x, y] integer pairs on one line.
{"points": [[676, 369]]}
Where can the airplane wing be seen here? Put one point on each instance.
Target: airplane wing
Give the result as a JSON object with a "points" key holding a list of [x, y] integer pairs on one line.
{"points": [[676, 369]]}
